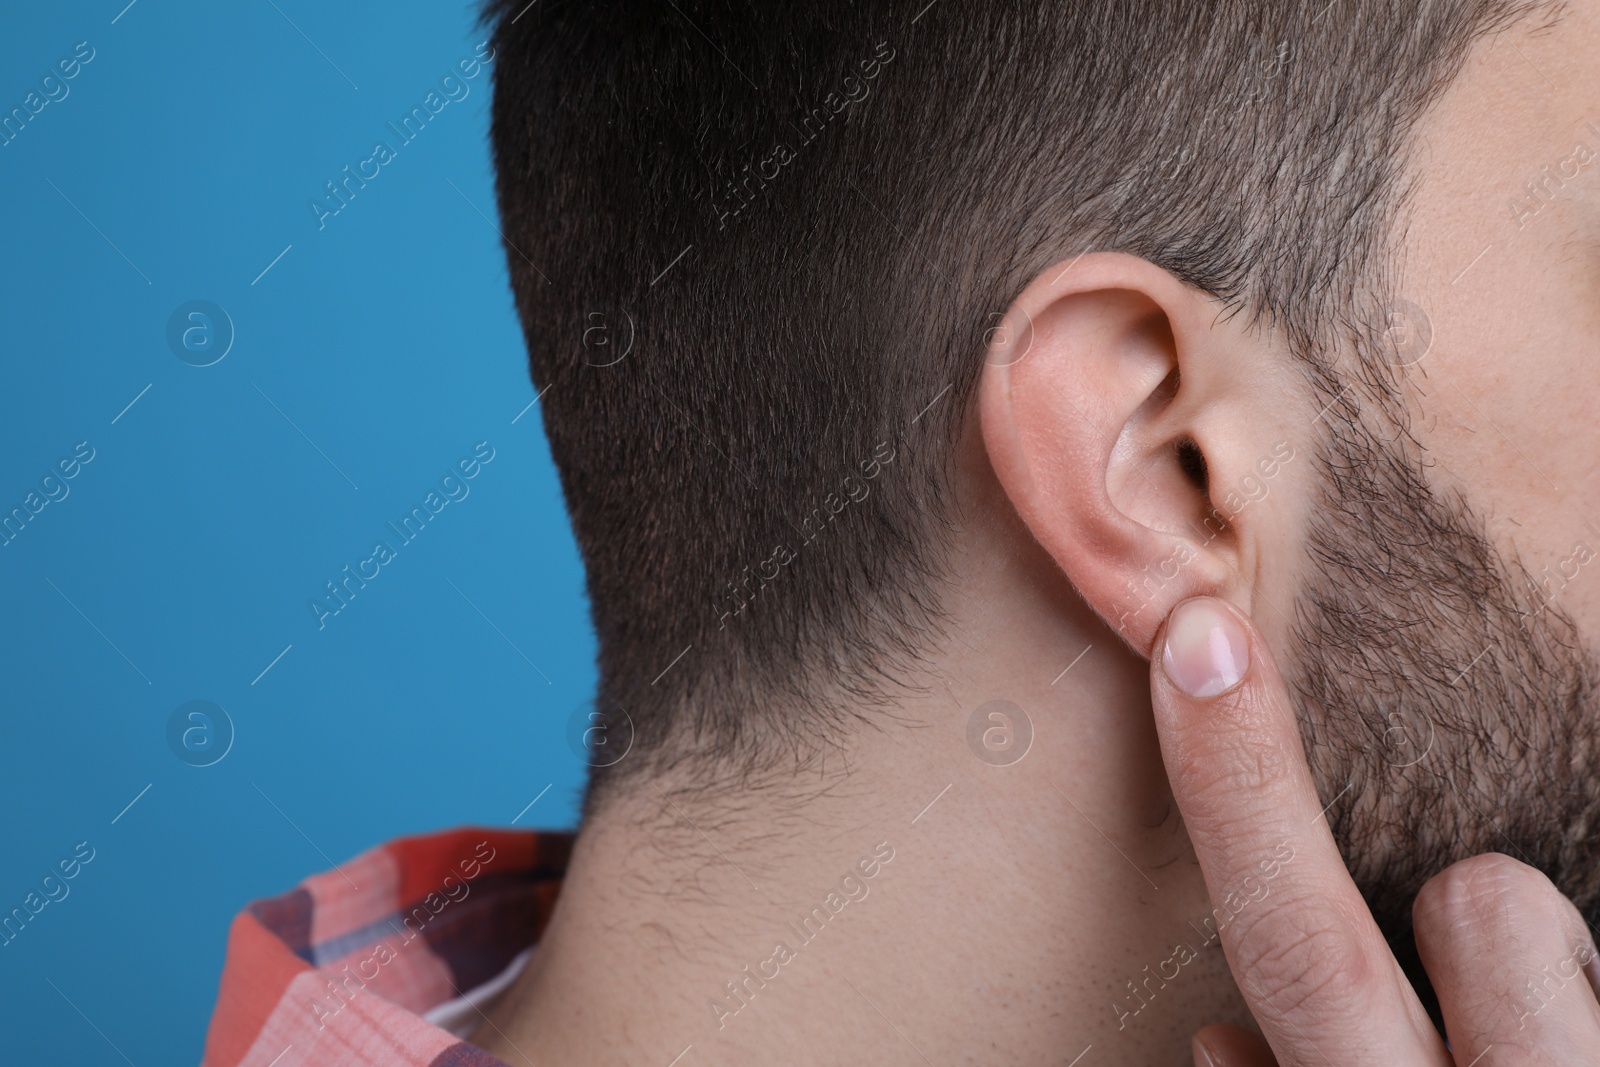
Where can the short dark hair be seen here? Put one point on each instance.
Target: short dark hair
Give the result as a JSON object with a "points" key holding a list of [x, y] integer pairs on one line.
{"points": [[756, 249]]}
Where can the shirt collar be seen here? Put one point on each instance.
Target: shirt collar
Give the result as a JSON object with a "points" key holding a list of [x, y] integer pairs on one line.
{"points": [[362, 964]]}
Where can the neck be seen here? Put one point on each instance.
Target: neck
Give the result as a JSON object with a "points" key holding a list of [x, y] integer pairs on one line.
{"points": [[923, 905]]}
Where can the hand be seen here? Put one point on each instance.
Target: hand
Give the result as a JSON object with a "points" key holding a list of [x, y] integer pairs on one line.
{"points": [[1511, 959]]}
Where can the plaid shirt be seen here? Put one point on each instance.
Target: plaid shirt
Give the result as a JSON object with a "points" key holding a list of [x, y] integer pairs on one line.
{"points": [[385, 959]]}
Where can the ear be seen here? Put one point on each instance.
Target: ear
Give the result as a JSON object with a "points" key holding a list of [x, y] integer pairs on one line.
{"points": [[1133, 427]]}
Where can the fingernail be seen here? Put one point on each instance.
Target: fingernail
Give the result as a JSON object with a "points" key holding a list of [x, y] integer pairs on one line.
{"points": [[1207, 653], [1203, 1056]]}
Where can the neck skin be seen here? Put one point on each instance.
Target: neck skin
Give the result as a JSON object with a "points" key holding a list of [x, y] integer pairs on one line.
{"points": [[1028, 912]]}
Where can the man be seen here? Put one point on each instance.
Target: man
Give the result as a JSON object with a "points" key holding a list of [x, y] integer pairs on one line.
{"points": [[954, 404]]}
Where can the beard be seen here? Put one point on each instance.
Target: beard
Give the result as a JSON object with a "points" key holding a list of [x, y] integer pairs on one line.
{"points": [[1445, 700]]}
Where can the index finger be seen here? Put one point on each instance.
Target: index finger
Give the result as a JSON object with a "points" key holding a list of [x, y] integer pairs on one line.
{"points": [[1305, 951]]}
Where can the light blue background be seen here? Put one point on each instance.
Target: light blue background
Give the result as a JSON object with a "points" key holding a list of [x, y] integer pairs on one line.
{"points": [[206, 522]]}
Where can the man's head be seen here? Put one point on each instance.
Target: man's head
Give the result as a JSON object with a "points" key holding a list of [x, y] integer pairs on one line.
{"points": [[794, 280]]}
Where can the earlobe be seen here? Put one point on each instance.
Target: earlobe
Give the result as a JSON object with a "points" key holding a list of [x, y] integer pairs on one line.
{"points": [[1093, 418]]}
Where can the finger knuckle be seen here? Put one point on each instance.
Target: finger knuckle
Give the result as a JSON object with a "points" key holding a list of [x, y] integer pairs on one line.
{"points": [[1491, 893], [1221, 782], [1306, 957]]}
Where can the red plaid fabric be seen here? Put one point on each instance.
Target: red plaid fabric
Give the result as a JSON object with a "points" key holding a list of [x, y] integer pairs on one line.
{"points": [[384, 959]]}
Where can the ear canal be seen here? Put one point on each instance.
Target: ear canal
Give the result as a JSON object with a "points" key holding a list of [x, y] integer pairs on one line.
{"points": [[1193, 463]]}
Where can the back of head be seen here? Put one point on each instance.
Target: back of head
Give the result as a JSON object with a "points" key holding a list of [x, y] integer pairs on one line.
{"points": [[757, 250]]}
